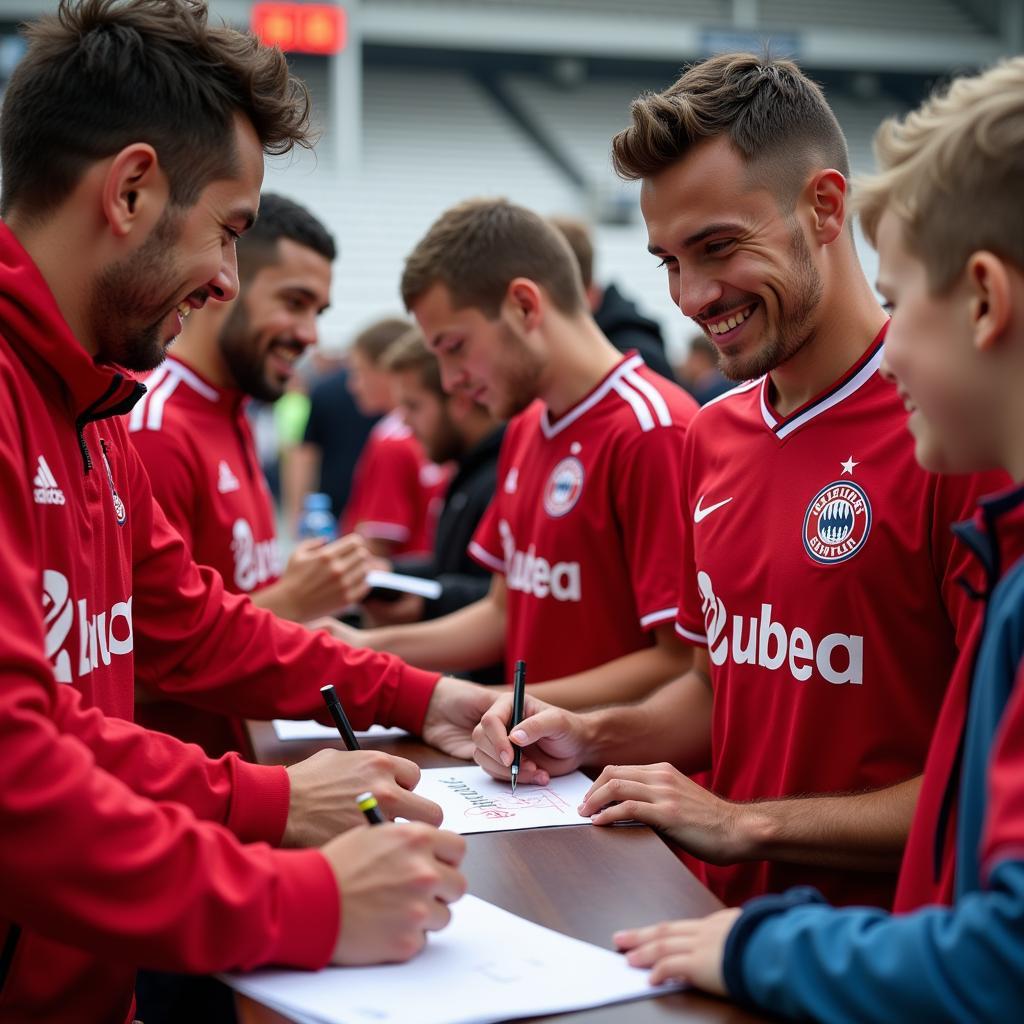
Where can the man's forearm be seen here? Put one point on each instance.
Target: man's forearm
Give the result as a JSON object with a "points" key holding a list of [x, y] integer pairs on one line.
{"points": [[865, 831], [470, 638], [673, 724], [279, 599], [629, 678]]}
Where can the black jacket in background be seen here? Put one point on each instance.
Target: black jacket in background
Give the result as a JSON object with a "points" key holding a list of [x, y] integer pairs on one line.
{"points": [[626, 328], [463, 581]]}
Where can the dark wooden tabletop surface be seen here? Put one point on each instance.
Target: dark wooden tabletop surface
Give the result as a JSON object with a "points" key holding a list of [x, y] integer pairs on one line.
{"points": [[585, 882]]}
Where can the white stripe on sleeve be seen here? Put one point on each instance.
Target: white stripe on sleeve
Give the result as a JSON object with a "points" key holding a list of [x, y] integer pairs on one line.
{"points": [[694, 638], [653, 395], [640, 410], [481, 554], [651, 617]]}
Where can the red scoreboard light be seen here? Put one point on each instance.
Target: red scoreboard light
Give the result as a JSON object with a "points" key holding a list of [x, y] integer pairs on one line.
{"points": [[300, 28]]}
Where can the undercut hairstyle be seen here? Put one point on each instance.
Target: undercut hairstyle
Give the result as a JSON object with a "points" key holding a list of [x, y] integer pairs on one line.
{"points": [[776, 118], [373, 342], [281, 218], [409, 354], [952, 172], [100, 75], [476, 250], [577, 234]]}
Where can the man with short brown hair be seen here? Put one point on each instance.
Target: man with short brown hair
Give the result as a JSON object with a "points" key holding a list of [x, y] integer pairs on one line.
{"points": [[122, 846], [585, 530], [819, 578]]}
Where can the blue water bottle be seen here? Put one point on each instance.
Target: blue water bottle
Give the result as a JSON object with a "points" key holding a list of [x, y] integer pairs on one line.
{"points": [[317, 521]]}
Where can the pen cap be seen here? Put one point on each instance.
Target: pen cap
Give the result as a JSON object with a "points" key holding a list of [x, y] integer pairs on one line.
{"points": [[368, 805]]}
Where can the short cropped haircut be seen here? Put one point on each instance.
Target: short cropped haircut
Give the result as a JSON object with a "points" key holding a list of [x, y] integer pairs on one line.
{"points": [[577, 234], [373, 342], [281, 218], [409, 354], [476, 250], [776, 118], [952, 172], [100, 75]]}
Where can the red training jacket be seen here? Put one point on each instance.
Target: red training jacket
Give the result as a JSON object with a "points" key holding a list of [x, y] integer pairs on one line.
{"points": [[117, 846]]}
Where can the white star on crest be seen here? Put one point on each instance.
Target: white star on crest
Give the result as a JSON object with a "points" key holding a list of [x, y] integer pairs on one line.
{"points": [[848, 465]]}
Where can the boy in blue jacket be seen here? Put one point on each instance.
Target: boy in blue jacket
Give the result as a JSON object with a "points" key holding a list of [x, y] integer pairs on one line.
{"points": [[946, 214]]}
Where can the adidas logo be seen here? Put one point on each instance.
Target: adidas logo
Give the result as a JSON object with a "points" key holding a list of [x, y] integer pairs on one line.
{"points": [[46, 490], [226, 480]]}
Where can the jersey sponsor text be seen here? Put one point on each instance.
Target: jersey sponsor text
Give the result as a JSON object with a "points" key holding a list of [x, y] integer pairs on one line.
{"points": [[760, 640], [255, 562], [100, 636], [529, 573]]}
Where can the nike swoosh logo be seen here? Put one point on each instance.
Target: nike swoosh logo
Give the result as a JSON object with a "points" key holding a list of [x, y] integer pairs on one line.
{"points": [[702, 513]]}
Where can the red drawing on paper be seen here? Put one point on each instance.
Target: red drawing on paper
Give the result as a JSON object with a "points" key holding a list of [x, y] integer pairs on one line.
{"points": [[506, 805]]}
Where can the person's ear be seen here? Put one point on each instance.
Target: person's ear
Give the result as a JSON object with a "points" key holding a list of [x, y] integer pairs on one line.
{"points": [[134, 191], [990, 296], [523, 300], [826, 196]]}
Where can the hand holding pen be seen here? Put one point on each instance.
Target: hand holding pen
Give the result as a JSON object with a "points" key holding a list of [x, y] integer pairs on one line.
{"points": [[323, 788], [550, 740]]}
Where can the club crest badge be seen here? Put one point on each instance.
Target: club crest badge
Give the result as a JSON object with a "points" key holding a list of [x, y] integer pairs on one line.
{"points": [[564, 487], [837, 522]]}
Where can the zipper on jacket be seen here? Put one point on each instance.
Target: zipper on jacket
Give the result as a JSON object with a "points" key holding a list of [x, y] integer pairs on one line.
{"points": [[82, 446], [90, 414]]}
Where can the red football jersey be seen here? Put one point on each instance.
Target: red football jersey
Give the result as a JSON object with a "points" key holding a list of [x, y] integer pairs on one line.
{"points": [[197, 447], [587, 523], [195, 441], [397, 492], [820, 573]]}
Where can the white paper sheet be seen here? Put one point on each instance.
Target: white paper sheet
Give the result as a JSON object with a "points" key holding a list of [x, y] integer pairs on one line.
{"points": [[384, 580], [474, 802], [488, 965], [288, 730]]}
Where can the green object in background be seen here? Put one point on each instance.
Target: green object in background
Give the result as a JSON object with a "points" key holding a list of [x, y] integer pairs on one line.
{"points": [[291, 412]]}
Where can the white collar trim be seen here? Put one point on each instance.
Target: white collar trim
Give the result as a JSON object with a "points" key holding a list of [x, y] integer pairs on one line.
{"points": [[854, 384], [591, 400]]}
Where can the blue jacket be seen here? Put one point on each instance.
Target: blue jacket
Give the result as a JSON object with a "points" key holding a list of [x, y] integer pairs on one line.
{"points": [[795, 955]]}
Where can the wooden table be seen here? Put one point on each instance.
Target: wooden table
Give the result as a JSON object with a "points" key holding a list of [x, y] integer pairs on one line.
{"points": [[593, 881]]}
